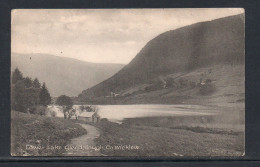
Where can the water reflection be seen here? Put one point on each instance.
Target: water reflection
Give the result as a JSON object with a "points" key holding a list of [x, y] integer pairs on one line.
{"points": [[117, 113]]}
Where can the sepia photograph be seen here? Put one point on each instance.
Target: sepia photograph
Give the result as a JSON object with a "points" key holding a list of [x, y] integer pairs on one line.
{"points": [[128, 82]]}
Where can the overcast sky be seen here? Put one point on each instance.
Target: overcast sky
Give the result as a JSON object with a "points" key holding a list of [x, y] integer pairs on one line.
{"points": [[103, 36]]}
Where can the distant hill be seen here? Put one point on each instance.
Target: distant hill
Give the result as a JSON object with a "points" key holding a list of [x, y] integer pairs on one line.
{"points": [[63, 75], [183, 50]]}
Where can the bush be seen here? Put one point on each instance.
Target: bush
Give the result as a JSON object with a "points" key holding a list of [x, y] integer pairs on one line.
{"points": [[38, 110], [208, 81], [183, 82], [53, 114], [170, 82], [192, 84], [26, 94], [64, 101], [104, 120], [207, 89], [154, 85], [94, 108], [150, 88], [82, 108]]}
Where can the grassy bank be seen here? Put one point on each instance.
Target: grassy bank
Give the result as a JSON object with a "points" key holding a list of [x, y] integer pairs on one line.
{"points": [[38, 135], [173, 136]]}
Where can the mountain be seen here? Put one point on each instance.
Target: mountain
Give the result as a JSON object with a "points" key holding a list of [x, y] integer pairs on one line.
{"points": [[180, 51], [63, 75]]}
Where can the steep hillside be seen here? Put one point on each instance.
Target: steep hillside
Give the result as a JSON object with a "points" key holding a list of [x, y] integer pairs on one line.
{"points": [[179, 51], [63, 75]]}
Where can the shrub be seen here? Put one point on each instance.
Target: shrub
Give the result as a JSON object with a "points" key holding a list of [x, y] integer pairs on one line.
{"points": [[170, 82], [183, 82], [104, 120], [26, 93], [64, 101], [53, 114], [207, 89], [82, 108], [208, 81], [150, 88], [192, 84], [38, 110], [44, 96], [128, 94], [155, 84], [94, 108]]}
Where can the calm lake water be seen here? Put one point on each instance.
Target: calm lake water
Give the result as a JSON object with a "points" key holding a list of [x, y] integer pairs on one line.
{"points": [[117, 113]]}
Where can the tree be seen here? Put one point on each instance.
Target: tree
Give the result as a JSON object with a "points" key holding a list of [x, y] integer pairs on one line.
{"points": [[82, 108], [26, 95], [28, 82], [17, 96], [170, 82], [44, 96], [16, 76], [23, 96], [31, 98], [65, 102], [36, 83]]}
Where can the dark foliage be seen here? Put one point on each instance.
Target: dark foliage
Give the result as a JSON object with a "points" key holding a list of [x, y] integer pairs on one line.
{"points": [[18, 90], [23, 98], [39, 110], [26, 94], [192, 84], [36, 83], [183, 82], [28, 82], [65, 102], [170, 82], [44, 96], [156, 84], [207, 89], [16, 76]]}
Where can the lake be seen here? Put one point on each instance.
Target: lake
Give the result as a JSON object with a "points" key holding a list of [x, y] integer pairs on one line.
{"points": [[116, 113]]}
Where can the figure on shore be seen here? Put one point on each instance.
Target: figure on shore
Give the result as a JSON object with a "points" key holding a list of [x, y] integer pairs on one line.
{"points": [[96, 114]]}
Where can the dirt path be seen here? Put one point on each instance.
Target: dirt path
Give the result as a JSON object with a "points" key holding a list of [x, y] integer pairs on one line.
{"points": [[84, 145]]}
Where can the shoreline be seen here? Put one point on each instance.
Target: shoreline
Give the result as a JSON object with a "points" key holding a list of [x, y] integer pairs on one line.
{"points": [[167, 136]]}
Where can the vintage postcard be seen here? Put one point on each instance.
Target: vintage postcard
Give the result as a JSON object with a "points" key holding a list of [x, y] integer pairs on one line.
{"points": [[128, 82]]}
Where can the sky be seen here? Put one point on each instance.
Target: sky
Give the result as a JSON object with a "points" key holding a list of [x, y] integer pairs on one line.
{"points": [[99, 35]]}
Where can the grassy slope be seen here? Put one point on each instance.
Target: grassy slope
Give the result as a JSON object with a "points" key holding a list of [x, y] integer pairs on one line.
{"points": [[28, 129], [173, 136], [185, 49], [229, 81], [221, 135]]}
